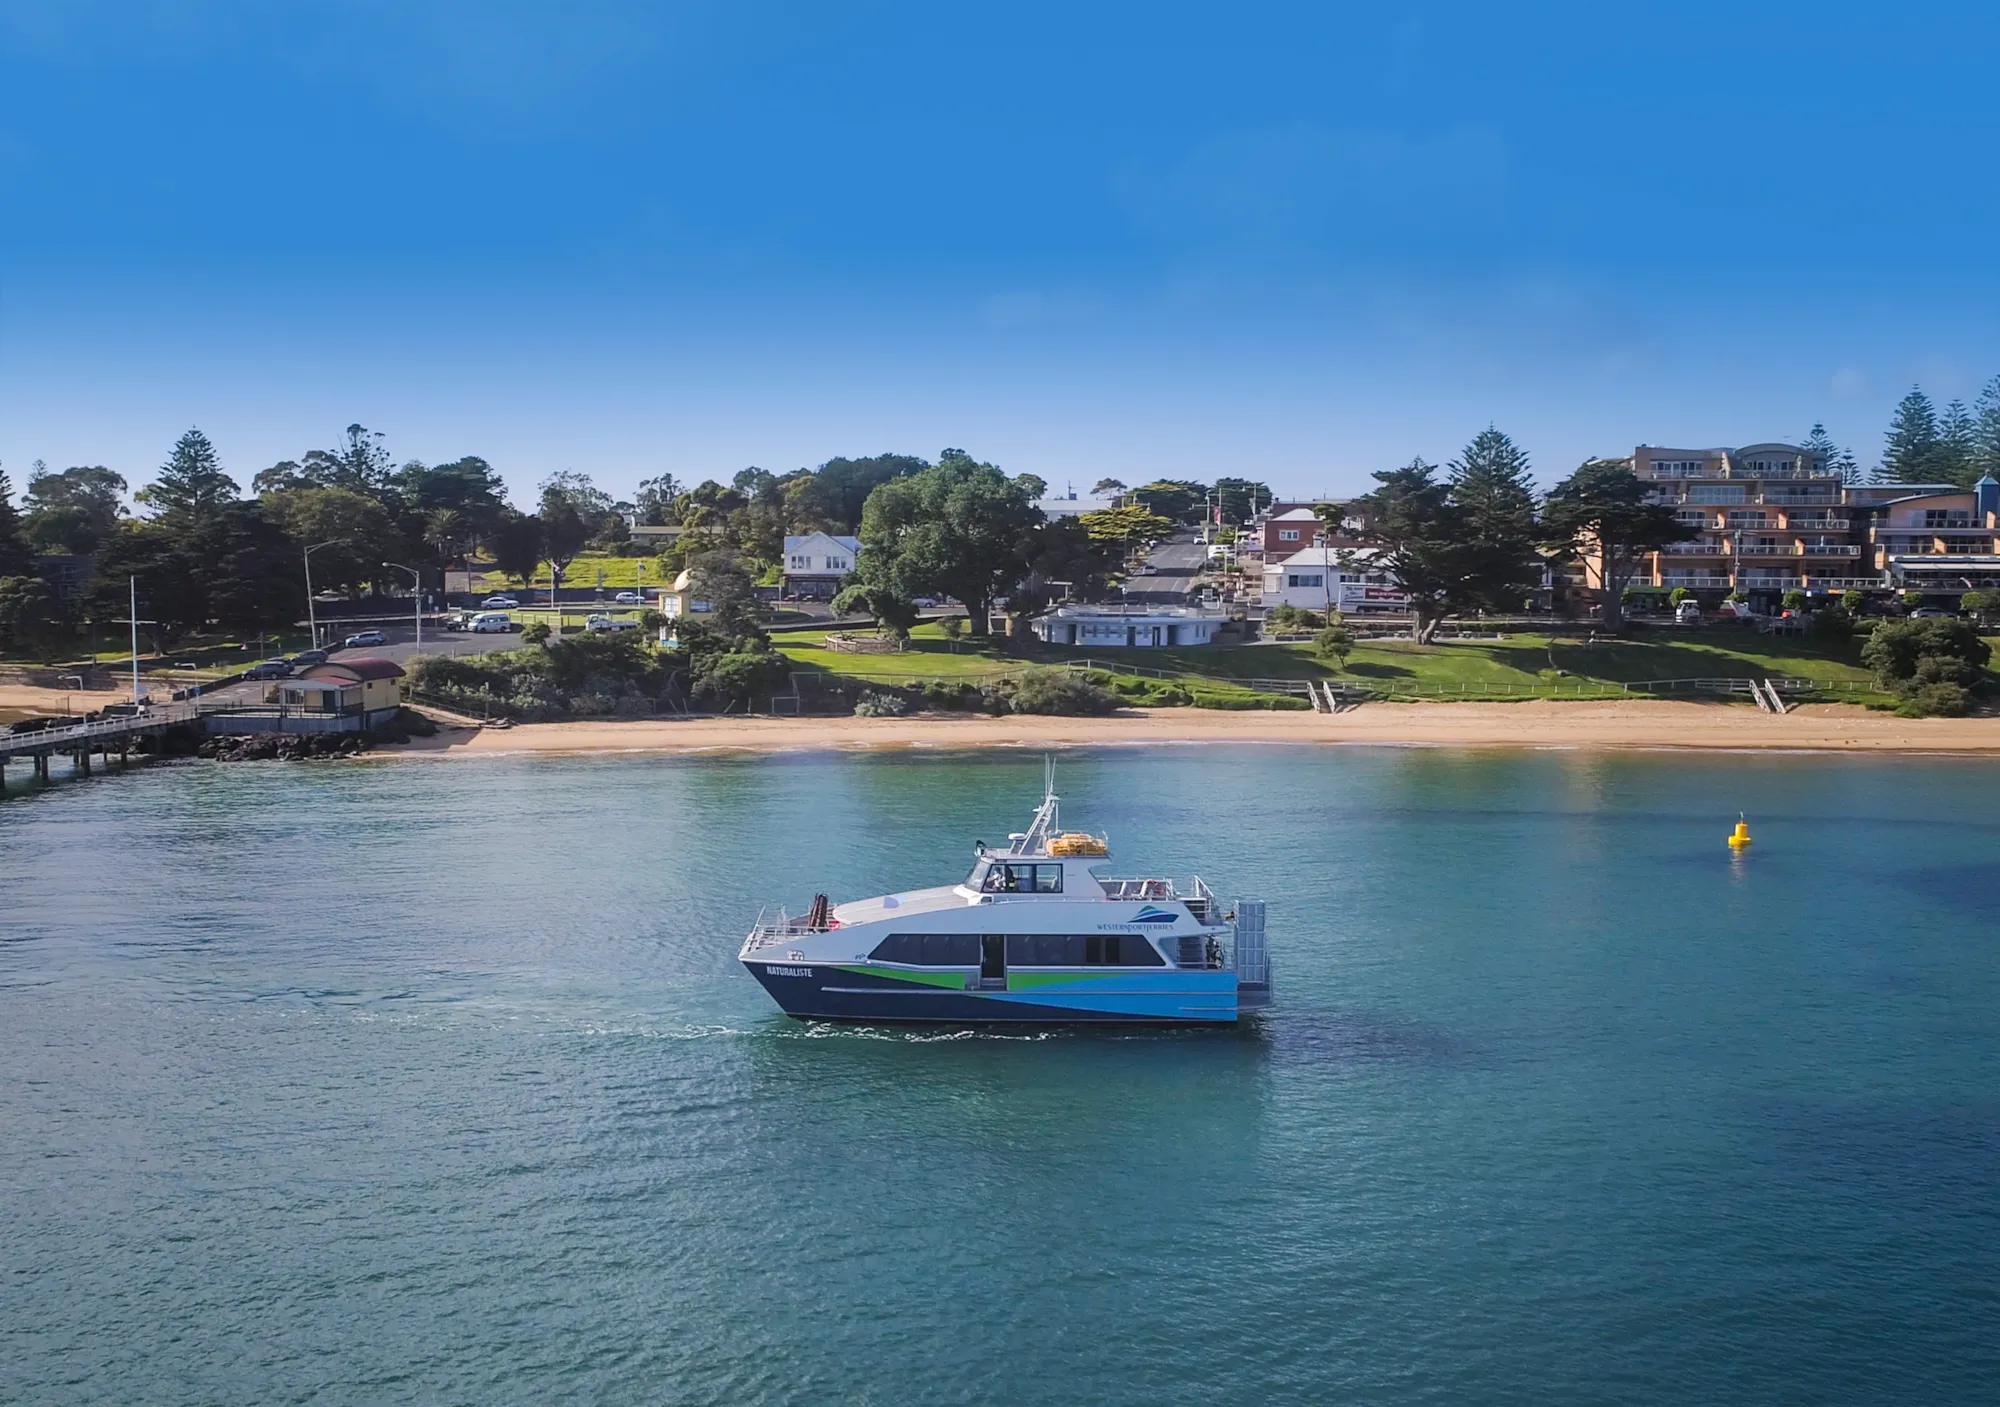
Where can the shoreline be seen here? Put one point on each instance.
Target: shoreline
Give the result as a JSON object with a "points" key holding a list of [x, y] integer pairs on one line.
{"points": [[1624, 726]]}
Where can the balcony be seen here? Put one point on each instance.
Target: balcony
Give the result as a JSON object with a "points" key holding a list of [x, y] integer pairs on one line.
{"points": [[1816, 525], [1770, 549], [1694, 549], [1695, 579], [1832, 549], [1787, 498]]}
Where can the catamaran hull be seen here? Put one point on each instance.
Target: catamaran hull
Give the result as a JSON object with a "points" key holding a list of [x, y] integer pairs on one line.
{"points": [[826, 992]]}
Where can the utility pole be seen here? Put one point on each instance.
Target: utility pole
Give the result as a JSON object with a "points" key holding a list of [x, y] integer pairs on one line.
{"points": [[312, 620], [419, 593]]}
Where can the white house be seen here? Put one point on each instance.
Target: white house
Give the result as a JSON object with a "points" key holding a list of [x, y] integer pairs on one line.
{"points": [[1316, 580], [1136, 627], [816, 563]]}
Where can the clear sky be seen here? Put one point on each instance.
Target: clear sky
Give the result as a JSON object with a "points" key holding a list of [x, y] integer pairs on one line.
{"points": [[1295, 242]]}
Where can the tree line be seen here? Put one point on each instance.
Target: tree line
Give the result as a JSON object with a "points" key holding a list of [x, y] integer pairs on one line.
{"points": [[1956, 445]]}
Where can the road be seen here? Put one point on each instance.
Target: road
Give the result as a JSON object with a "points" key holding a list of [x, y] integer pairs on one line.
{"points": [[1172, 565]]}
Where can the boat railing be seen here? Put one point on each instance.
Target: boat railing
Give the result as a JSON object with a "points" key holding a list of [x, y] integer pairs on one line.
{"points": [[772, 930], [1201, 902], [1139, 889]]}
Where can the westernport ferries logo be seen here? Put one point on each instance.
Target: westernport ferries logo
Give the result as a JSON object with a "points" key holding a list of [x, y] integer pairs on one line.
{"points": [[1149, 914]]}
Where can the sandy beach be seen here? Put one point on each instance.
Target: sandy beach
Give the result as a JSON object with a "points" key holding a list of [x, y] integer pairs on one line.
{"points": [[1540, 724]]}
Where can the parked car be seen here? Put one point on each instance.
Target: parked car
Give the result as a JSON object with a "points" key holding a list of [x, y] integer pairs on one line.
{"points": [[308, 657], [628, 598], [1932, 613], [492, 623], [365, 638], [601, 624], [1687, 613], [500, 603], [269, 669]]}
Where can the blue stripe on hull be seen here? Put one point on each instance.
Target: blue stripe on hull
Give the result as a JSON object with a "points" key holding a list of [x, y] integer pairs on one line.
{"points": [[837, 994]]}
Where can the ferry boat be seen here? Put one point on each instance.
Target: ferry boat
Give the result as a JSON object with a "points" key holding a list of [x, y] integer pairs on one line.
{"points": [[1033, 935]]}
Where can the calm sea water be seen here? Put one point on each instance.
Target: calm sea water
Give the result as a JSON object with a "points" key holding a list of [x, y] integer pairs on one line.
{"points": [[437, 1081]]}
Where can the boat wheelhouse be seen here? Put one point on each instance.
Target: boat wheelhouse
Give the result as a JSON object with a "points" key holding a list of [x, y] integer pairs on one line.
{"points": [[1032, 934]]}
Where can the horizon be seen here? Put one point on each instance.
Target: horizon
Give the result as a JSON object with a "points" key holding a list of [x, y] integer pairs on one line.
{"points": [[1296, 245]]}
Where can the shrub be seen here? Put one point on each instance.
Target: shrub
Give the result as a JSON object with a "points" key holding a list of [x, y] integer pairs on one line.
{"points": [[1334, 643], [1056, 691], [1895, 647], [1834, 623], [1912, 600], [1929, 700], [952, 626], [1678, 595], [741, 674], [1292, 618], [1853, 602], [536, 632], [875, 705], [950, 693], [1795, 600], [1980, 603]]}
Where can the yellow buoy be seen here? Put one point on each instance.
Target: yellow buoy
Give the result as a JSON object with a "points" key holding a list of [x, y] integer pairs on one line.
{"points": [[1740, 837]]}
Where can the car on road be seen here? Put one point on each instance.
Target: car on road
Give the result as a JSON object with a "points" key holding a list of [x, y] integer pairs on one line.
{"points": [[500, 603], [308, 657], [365, 638], [269, 669], [1932, 613], [600, 625], [492, 623], [628, 598]]}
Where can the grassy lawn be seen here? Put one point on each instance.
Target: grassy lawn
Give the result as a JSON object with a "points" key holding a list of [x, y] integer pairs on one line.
{"points": [[1521, 666]]}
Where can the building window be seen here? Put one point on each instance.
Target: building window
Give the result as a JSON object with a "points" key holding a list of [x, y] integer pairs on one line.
{"points": [[1306, 579], [1288, 534]]}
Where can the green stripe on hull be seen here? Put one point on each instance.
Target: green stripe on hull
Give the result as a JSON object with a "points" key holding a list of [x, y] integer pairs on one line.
{"points": [[1027, 981], [954, 980]]}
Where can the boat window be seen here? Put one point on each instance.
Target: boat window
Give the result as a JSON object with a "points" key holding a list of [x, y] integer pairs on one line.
{"points": [[928, 949], [950, 949], [1024, 879], [1120, 950], [1080, 950]]}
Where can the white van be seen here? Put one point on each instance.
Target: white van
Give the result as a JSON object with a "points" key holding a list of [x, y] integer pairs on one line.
{"points": [[491, 623]]}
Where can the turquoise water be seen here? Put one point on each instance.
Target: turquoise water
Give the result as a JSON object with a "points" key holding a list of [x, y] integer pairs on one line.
{"points": [[437, 1081]]}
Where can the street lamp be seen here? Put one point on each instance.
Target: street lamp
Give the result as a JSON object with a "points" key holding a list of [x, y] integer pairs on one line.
{"points": [[418, 591], [312, 619]]}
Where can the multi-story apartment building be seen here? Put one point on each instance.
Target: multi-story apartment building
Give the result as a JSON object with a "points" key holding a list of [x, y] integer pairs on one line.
{"points": [[1768, 518], [1932, 538]]}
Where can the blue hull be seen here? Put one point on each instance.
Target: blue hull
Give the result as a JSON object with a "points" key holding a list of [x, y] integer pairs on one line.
{"points": [[1170, 996]]}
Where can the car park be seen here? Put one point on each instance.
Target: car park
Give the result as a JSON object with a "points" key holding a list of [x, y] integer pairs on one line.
{"points": [[269, 669], [365, 638], [500, 603]]}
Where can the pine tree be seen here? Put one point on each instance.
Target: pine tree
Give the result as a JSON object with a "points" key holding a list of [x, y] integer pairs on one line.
{"points": [[1490, 486], [1845, 465], [1958, 445], [1912, 441], [1819, 445], [1986, 431], [15, 557], [191, 487]]}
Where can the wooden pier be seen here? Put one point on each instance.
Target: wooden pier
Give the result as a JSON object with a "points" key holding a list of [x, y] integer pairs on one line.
{"points": [[100, 737]]}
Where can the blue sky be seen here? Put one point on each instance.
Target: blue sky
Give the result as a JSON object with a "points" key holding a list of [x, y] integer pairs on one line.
{"points": [[1292, 242]]}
